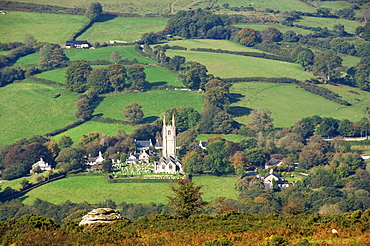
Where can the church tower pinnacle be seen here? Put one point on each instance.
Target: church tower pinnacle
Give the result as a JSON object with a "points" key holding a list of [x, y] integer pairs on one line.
{"points": [[169, 138]]}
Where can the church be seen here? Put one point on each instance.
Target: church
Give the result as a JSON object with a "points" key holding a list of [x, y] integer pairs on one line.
{"points": [[169, 162]]}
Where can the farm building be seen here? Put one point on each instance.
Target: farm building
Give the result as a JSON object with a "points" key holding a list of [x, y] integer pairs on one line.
{"points": [[77, 44]]}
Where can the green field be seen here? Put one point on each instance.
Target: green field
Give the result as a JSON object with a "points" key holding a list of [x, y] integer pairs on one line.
{"points": [[211, 44], [282, 29], [104, 54], [32, 59], [228, 66], [350, 61], [108, 129], [158, 76], [349, 26], [285, 5], [95, 189], [56, 75], [230, 137], [45, 27], [289, 103], [28, 108], [332, 5], [126, 29], [154, 103], [127, 6]]}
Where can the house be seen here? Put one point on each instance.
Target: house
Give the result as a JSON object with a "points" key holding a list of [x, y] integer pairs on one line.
{"points": [[77, 44], [143, 157], [143, 144], [273, 162], [44, 166], [94, 160], [269, 179]]}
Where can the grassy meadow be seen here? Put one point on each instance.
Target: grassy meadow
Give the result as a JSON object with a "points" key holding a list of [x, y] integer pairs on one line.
{"points": [[126, 6], [349, 25], [126, 29], [28, 108], [282, 28], [332, 5], [229, 66], [211, 44], [285, 5], [45, 27], [108, 129], [104, 54], [95, 189], [289, 103], [154, 103]]}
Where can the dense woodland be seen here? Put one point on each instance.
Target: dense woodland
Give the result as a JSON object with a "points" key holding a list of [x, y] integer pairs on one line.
{"points": [[335, 181]]}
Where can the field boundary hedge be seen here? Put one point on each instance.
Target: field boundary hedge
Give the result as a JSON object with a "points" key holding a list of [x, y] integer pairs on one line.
{"points": [[307, 86], [43, 81], [40, 8], [109, 179]]}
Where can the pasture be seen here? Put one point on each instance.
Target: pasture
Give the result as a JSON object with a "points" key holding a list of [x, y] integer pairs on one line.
{"points": [[95, 189], [32, 59], [229, 66], [126, 29], [285, 5], [349, 25], [45, 27], [90, 126], [56, 75], [28, 108], [104, 54], [126, 6], [289, 103], [154, 103], [211, 44], [332, 5], [282, 28]]}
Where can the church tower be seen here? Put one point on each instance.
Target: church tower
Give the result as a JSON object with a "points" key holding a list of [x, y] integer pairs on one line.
{"points": [[169, 138]]}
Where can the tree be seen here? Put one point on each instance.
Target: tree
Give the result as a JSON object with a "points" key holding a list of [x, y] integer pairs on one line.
{"points": [[192, 163], [133, 113], [362, 76], [218, 159], [218, 97], [107, 166], [328, 127], [185, 118], [149, 38], [176, 62], [98, 80], [84, 109], [70, 159], [29, 40], [76, 76], [186, 199], [117, 76], [136, 77], [248, 37], [93, 11], [260, 121], [115, 57], [326, 65], [52, 57], [65, 142], [292, 142], [194, 75], [290, 36], [271, 34]]}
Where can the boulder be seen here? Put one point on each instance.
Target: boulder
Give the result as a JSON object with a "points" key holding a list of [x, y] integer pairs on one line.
{"points": [[101, 215]]}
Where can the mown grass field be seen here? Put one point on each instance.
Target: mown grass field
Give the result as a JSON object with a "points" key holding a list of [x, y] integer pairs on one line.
{"points": [[332, 5], [282, 29], [230, 137], [45, 27], [108, 129], [95, 189], [28, 108], [350, 61], [349, 26], [229, 66], [211, 44], [104, 54], [154, 103], [126, 29], [289, 103]]}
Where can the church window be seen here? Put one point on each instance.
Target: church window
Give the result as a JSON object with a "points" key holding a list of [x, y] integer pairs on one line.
{"points": [[169, 132], [170, 166]]}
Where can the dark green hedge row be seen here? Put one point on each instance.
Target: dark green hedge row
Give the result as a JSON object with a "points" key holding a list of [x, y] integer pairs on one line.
{"points": [[253, 54], [43, 81], [261, 79], [10, 46], [81, 31], [66, 128], [324, 92], [13, 55], [39, 8], [111, 180], [108, 120]]}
